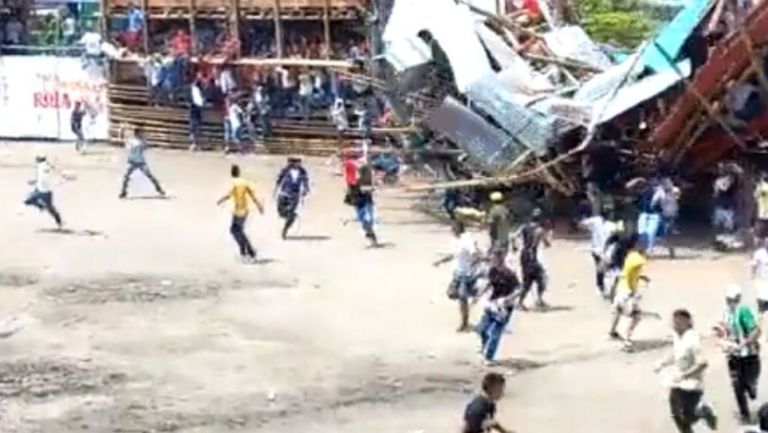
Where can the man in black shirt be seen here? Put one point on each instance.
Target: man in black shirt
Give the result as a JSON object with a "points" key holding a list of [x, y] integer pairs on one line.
{"points": [[480, 412], [533, 235], [76, 123], [504, 286]]}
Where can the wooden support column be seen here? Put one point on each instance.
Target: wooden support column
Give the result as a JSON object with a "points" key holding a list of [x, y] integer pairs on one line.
{"points": [[757, 66], [145, 27], [234, 24], [104, 10], [193, 25], [327, 27], [278, 30], [711, 111]]}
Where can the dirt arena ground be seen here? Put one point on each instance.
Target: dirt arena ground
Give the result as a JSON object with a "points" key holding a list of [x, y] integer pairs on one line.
{"points": [[141, 319]]}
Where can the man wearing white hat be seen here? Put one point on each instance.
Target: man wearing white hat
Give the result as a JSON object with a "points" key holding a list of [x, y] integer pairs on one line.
{"points": [[741, 335]]}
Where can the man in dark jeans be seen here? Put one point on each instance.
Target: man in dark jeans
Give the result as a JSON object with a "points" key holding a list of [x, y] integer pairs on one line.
{"points": [[240, 192], [505, 287], [688, 364], [76, 123], [742, 333], [479, 416]]}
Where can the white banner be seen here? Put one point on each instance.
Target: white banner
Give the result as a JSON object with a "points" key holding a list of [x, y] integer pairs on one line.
{"points": [[38, 93]]}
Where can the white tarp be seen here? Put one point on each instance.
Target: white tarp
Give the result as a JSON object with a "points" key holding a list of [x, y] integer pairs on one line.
{"points": [[407, 53], [572, 42], [451, 25], [605, 82], [37, 94], [632, 95]]}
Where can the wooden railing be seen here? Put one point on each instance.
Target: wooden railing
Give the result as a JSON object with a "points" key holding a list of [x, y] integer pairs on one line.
{"points": [[261, 4]]}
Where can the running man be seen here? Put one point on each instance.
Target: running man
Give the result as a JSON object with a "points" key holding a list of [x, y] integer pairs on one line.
{"points": [[240, 192], [533, 235], [465, 255], [627, 300], [42, 196], [76, 123], [601, 228], [136, 147], [364, 205], [505, 288], [740, 342], [686, 378], [480, 414], [291, 188]]}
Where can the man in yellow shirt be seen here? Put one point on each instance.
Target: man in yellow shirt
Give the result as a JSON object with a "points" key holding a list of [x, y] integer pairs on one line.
{"points": [[240, 192], [627, 301]]}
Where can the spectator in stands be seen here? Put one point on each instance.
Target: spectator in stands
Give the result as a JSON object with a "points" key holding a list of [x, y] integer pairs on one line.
{"points": [[339, 116], [91, 42], [196, 105], [226, 81], [69, 28], [13, 31], [179, 45], [305, 95], [235, 118], [133, 35]]}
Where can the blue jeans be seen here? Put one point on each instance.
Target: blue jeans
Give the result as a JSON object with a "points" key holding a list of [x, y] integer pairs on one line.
{"points": [[237, 230], [491, 328], [647, 229], [365, 218], [44, 202]]}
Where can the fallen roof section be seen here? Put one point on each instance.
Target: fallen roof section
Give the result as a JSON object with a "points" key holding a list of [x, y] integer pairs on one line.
{"points": [[487, 147], [673, 36]]}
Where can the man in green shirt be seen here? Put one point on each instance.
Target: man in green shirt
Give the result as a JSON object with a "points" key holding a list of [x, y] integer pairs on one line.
{"points": [[498, 222], [743, 350]]}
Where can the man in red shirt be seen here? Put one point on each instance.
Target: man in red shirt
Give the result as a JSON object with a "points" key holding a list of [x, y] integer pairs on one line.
{"points": [[351, 176]]}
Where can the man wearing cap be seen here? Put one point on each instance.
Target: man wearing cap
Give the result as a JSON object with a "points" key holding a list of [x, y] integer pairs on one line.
{"points": [[740, 342], [42, 196], [600, 227], [498, 222], [291, 187]]}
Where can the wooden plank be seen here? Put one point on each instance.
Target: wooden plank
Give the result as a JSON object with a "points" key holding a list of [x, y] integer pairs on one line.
{"points": [[145, 27], [327, 27], [319, 63], [193, 24], [278, 29]]}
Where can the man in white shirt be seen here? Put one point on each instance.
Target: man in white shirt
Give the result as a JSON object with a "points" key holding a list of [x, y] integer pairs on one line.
{"points": [[42, 196], [226, 81], [760, 276], [195, 113], [235, 116], [465, 256], [600, 228], [686, 376]]}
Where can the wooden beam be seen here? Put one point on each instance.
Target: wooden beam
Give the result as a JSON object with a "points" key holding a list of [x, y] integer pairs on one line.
{"points": [[234, 24], [278, 29], [193, 24], [689, 87], [145, 27], [327, 27], [104, 8], [757, 66]]}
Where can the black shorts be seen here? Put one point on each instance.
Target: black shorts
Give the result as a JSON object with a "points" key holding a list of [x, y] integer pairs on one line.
{"points": [[762, 306], [286, 206], [533, 274]]}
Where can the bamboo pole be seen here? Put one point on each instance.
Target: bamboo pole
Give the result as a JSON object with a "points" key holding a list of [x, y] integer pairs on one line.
{"points": [[278, 29], [193, 25], [701, 98], [145, 27], [327, 27]]}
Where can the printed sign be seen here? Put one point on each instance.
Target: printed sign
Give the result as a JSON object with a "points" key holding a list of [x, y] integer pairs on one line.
{"points": [[38, 93]]}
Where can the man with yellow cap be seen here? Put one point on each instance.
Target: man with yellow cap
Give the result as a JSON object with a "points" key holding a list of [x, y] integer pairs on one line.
{"points": [[498, 222]]}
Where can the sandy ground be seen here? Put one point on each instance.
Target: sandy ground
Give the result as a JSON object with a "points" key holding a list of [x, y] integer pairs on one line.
{"points": [[141, 319]]}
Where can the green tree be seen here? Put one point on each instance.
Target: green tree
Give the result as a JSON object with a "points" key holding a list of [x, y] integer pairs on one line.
{"points": [[625, 23]]}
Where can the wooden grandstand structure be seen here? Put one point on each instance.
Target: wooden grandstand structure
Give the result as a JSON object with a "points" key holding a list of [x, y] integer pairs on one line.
{"points": [[167, 125]]}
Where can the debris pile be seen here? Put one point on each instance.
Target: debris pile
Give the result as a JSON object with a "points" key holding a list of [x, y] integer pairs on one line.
{"points": [[529, 96]]}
